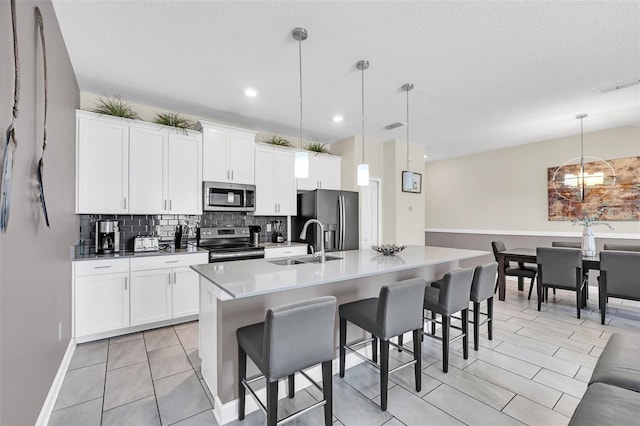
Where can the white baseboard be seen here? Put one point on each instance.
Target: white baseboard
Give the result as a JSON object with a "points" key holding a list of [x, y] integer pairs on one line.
{"points": [[52, 396], [228, 412]]}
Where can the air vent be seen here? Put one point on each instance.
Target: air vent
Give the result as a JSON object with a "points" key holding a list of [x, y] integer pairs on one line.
{"points": [[618, 86], [394, 126]]}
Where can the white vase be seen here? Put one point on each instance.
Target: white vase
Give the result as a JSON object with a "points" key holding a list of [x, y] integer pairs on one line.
{"points": [[588, 242]]}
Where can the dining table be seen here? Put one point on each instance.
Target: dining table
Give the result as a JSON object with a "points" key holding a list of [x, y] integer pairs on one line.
{"points": [[528, 255]]}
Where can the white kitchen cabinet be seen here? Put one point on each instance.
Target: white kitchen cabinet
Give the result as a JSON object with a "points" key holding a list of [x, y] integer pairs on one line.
{"points": [[101, 296], [164, 287], [324, 173], [275, 181], [227, 153], [102, 164], [128, 166]]}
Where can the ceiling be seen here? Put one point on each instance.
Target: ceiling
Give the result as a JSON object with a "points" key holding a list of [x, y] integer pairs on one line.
{"points": [[487, 75]]}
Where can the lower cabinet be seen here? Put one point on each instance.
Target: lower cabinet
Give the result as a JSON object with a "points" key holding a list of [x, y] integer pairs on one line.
{"points": [[116, 294], [164, 288], [101, 297]]}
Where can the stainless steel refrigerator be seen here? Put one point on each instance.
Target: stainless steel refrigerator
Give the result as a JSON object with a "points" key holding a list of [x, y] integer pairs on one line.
{"points": [[338, 212]]}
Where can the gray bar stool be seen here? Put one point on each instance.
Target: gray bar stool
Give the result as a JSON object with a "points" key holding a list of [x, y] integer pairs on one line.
{"points": [[448, 296], [482, 289], [292, 338], [397, 310]]}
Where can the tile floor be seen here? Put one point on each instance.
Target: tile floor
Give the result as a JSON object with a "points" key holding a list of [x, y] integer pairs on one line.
{"points": [[533, 372]]}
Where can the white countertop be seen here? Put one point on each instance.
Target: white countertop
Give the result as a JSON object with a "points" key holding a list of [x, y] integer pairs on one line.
{"points": [[255, 277], [280, 245]]}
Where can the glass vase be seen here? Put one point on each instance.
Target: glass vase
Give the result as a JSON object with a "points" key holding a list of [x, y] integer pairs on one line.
{"points": [[588, 242]]}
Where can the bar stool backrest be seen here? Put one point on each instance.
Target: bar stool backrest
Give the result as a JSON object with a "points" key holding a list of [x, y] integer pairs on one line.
{"points": [[622, 270], [299, 335], [622, 247], [484, 278], [455, 290], [400, 307], [558, 265]]}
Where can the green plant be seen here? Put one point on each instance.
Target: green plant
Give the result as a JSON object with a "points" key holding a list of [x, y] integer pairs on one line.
{"points": [[278, 140], [115, 106], [173, 119], [317, 147]]}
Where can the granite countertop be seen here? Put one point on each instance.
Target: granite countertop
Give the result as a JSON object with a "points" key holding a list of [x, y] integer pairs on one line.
{"points": [[125, 254], [255, 277], [285, 244]]}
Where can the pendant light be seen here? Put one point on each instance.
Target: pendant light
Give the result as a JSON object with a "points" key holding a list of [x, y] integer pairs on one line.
{"points": [[363, 168], [573, 182], [407, 176], [301, 166]]}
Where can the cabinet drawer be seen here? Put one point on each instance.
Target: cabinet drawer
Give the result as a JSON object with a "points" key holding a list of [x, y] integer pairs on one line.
{"points": [[285, 251], [173, 261], [99, 267]]}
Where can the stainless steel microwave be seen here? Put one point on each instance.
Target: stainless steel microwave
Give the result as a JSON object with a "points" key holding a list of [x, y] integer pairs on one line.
{"points": [[228, 197]]}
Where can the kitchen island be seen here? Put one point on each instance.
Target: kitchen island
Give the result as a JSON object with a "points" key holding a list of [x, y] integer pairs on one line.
{"points": [[235, 294]]}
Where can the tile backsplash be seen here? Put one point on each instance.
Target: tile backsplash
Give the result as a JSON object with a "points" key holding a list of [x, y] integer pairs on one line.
{"points": [[164, 225]]}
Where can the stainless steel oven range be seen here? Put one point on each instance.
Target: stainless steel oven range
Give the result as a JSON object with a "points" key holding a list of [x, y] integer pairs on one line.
{"points": [[227, 243]]}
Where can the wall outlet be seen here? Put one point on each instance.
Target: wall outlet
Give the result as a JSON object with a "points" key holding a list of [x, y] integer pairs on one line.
{"points": [[268, 227], [59, 331]]}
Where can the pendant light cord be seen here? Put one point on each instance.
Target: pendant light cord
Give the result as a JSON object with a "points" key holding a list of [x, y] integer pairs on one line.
{"points": [[300, 61], [408, 88], [362, 114]]}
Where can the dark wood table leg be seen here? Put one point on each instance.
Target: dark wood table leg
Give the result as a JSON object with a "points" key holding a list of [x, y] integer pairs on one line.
{"points": [[501, 277]]}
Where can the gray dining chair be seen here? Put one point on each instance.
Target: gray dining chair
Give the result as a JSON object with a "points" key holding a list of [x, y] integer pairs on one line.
{"points": [[619, 277], [561, 268], [569, 244], [292, 338], [521, 271], [622, 247], [397, 310], [481, 290]]}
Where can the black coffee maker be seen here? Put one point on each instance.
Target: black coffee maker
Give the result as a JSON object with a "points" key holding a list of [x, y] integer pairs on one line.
{"points": [[107, 236]]}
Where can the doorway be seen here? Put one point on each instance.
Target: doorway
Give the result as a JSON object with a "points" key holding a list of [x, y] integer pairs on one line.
{"points": [[371, 213]]}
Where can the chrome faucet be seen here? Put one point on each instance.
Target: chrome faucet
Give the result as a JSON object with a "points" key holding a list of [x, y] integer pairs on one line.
{"points": [[303, 235]]}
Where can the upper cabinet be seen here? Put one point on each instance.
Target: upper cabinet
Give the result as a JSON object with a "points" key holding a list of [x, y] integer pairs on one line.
{"points": [[275, 181], [126, 166], [324, 173], [227, 153]]}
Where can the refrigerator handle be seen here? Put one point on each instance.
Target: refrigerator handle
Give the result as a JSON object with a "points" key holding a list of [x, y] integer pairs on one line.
{"points": [[339, 236], [341, 230]]}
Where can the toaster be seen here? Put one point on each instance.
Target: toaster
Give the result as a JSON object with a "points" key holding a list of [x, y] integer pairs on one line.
{"points": [[141, 244]]}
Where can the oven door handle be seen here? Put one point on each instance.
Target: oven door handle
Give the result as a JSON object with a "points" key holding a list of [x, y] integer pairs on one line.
{"points": [[254, 254]]}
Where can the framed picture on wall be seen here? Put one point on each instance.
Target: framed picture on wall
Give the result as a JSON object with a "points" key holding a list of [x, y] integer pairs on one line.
{"points": [[411, 182]]}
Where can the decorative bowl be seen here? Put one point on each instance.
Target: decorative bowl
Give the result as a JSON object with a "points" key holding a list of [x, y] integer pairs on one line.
{"points": [[388, 249]]}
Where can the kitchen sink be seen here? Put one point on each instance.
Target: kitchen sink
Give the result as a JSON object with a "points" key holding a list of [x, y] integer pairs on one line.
{"points": [[299, 260], [285, 262]]}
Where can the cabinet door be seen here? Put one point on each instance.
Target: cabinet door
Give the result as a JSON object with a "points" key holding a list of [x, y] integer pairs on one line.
{"points": [[101, 303], [241, 157], [147, 183], [265, 183], [150, 296], [215, 144], [102, 165], [185, 292], [285, 184], [328, 172], [184, 179]]}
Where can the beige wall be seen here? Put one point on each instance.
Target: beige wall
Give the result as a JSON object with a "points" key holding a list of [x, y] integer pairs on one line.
{"points": [[507, 189], [35, 262]]}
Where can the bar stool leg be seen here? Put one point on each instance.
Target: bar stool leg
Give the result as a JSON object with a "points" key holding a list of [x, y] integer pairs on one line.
{"points": [[374, 348], [490, 317], [433, 323], [384, 373], [465, 336], [400, 340], [242, 374], [327, 388], [445, 342], [292, 385], [417, 355], [476, 325], [272, 403], [343, 342]]}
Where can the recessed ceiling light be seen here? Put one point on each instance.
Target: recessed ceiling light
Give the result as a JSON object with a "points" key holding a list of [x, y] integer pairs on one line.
{"points": [[425, 156], [250, 92], [338, 118]]}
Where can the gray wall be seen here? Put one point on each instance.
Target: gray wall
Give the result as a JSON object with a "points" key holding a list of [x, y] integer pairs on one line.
{"points": [[35, 267]]}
